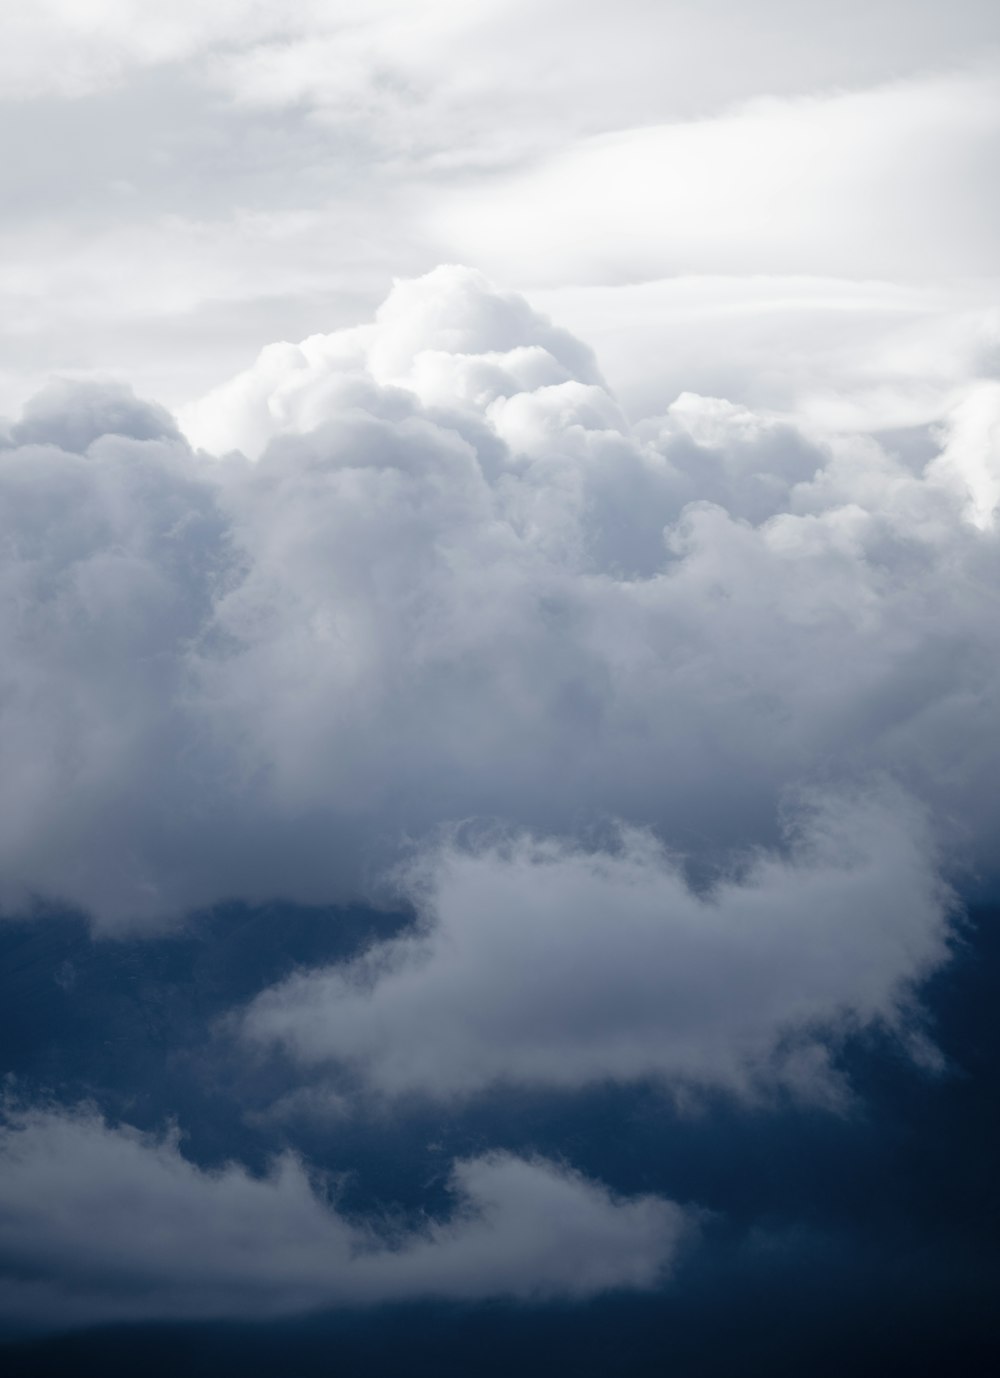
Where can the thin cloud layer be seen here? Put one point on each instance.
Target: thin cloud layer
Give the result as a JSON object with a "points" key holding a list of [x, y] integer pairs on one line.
{"points": [[279, 163], [365, 61], [107, 1224], [749, 191]]}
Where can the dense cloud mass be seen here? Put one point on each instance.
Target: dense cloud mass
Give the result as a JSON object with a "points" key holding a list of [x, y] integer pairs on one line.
{"points": [[498, 786], [673, 735], [108, 1224], [437, 577]]}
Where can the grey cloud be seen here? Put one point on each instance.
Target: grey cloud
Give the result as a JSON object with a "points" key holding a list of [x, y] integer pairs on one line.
{"points": [[108, 569], [451, 584], [72, 414], [540, 963], [456, 61], [456, 584], [107, 1224], [450, 336]]}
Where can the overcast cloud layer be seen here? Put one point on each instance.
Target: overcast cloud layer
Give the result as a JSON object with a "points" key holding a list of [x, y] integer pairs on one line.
{"points": [[181, 186]]}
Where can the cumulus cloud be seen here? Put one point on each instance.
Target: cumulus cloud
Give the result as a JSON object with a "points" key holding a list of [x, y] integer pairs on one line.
{"points": [[452, 581], [542, 964], [108, 1224], [667, 709], [71, 416], [450, 338], [670, 733]]}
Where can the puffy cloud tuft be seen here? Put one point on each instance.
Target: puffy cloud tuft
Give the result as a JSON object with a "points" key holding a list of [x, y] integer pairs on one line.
{"points": [[543, 964], [109, 1224], [72, 414]]}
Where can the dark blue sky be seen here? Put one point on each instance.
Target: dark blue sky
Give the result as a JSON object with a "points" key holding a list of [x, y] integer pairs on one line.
{"points": [[868, 1239]]}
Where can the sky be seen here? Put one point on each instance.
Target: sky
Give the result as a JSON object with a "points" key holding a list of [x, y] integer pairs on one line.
{"points": [[499, 710]]}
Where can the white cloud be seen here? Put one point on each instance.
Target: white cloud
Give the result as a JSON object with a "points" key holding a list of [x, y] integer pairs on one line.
{"points": [[450, 337], [108, 1224], [971, 458], [178, 182], [539, 963], [830, 353], [889, 182]]}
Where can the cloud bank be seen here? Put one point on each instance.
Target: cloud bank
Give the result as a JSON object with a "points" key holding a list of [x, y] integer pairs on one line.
{"points": [[436, 577], [671, 733]]}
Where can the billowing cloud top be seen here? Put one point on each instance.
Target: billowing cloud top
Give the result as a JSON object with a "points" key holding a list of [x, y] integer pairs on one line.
{"points": [[436, 576]]}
